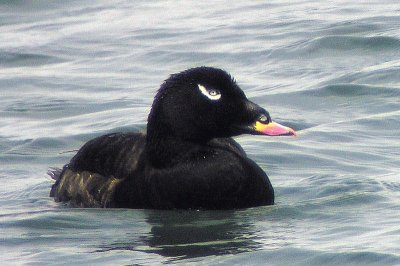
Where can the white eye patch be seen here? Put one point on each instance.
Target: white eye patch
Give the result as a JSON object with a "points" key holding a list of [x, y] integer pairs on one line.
{"points": [[211, 94]]}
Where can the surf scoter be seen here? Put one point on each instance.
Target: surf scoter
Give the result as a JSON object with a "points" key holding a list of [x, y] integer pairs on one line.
{"points": [[187, 159]]}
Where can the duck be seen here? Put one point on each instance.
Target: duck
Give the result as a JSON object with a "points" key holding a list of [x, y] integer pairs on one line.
{"points": [[187, 159]]}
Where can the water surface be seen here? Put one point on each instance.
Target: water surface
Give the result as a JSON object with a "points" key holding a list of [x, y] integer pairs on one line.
{"points": [[73, 70]]}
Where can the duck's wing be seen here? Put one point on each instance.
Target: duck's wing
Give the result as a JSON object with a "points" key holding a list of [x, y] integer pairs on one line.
{"points": [[221, 179], [89, 180]]}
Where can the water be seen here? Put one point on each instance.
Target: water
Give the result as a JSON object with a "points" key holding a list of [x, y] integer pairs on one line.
{"points": [[73, 70]]}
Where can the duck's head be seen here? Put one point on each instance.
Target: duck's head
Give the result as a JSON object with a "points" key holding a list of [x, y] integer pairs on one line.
{"points": [[204, 103]]}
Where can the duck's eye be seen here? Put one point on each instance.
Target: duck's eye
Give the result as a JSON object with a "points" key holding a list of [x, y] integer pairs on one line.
{"points": [[211, 94], [263, 119]]}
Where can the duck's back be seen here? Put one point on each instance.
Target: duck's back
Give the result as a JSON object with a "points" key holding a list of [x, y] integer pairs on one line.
{"points": [[90, 179]]}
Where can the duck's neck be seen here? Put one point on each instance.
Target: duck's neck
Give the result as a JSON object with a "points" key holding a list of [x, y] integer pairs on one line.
{"points": [[163, 148]]}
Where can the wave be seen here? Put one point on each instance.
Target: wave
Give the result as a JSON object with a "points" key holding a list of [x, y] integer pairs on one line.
{"points": [[353, 42], [339, 46], [13, 59], [320, 255], [353, 90]]}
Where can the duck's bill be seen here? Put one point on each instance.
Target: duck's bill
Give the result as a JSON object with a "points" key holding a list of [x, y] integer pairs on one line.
{"points": [[272, 129]]}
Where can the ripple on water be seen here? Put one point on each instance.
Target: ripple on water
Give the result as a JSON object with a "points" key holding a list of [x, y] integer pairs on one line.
{"points": [[349, 43], [303, 256], [353, 90], [12, 59]]}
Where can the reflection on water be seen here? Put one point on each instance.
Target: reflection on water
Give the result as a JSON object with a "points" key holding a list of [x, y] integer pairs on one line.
{"points": [[186, 234]]}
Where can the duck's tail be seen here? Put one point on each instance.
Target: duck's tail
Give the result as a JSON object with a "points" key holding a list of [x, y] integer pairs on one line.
{"points": [[54, 173]]}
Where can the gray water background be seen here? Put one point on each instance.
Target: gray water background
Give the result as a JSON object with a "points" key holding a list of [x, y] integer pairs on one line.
{"points": [[73, 70]]}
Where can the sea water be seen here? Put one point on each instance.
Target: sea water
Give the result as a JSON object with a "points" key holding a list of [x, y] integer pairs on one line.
{"points": [[74, 70]]}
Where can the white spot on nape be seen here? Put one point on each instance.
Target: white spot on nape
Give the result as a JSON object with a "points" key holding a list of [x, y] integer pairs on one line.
{"points": [[211, 94]]}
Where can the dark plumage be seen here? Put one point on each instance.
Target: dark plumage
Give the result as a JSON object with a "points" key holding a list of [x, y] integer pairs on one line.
{"points": [[187, 159]]}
